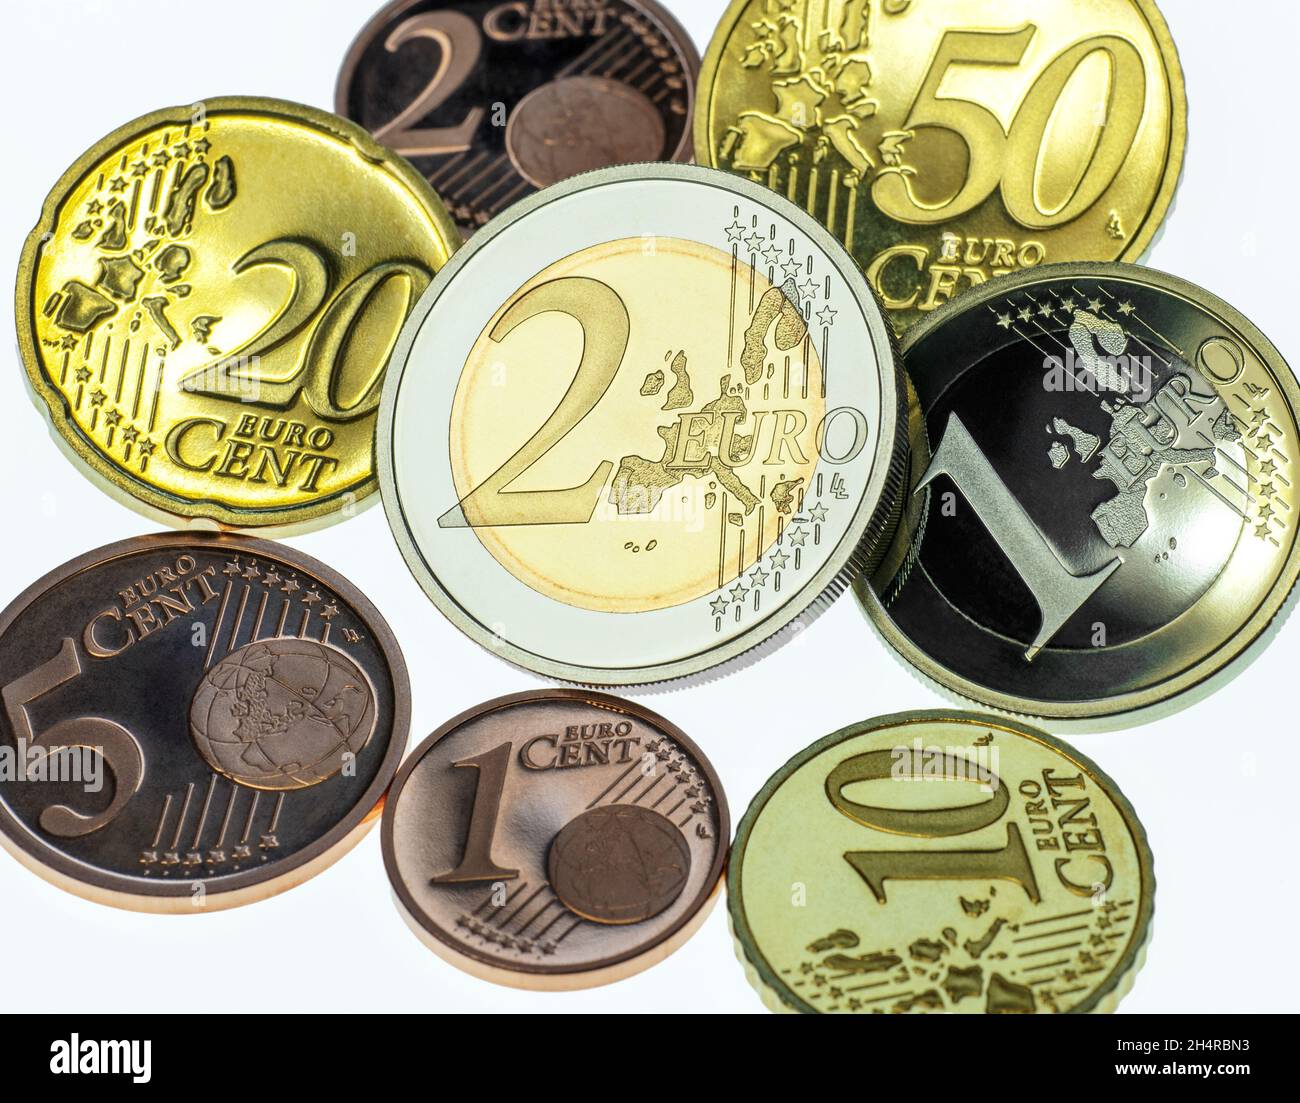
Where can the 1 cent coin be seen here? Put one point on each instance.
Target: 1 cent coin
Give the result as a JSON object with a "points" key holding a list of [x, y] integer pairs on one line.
{"points": [[209, 301], [193, 723], [556, 840], [493, 100], [940, 862]]}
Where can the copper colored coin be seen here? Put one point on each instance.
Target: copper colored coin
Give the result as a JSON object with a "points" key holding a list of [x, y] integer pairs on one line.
{"points": [[556, 840], [194, 722], [493, 100]]}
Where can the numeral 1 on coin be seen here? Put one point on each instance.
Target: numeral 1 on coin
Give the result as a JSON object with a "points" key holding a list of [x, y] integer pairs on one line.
{"points": [[476, 863]]}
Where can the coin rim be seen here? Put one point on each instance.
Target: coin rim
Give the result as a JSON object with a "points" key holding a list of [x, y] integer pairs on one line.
{"points": [[150, 501], [1120, 978], [687, 51], [174, 897], [859, 549], [527, 974], [1175, 148], [1195, 682]]}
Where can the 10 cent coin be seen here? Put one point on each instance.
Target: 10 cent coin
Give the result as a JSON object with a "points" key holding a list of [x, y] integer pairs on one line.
{"points": [[940, 862]]}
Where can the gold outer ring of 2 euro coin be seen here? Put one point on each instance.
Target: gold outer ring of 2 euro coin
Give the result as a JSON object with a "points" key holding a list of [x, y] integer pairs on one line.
{"points": [[816, 807], [946, 147], [207, 331]]}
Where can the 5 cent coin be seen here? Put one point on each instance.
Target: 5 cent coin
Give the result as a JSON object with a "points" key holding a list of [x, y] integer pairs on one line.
{"points": [[556, 840], [192, 723], [647, 421], [208, 303], [940, 862], [493, 100]]}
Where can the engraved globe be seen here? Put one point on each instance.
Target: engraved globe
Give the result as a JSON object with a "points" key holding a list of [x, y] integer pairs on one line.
{"points": [[282, 714]]}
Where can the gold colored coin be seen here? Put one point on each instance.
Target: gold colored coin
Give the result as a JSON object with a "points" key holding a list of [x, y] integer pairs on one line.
{"points": [[210, 299], [946, 142], [942, 862]]}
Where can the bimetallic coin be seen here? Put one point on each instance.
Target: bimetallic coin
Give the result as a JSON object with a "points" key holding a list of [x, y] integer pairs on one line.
{"points": [[940, 862], [210, 299], [946, 142], [556, 840], [641, 425], [1102, 505], [493, 100], [194, 722]]}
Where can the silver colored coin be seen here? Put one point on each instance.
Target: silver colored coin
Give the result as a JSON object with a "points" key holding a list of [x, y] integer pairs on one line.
{"points": [[1100, 525], [645, 422]]}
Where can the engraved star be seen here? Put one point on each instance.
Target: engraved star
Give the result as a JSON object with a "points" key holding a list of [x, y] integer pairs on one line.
{"points": [[1266, 490], [1068, 305], [161, 157], [718, 605], [181, 149], [129, 434], [1025, 314], [1263, 531], [778, 559], [1004, 320], [772, 255], [1268, 467], [758, 577], [735, 232], [312, 597], [1045, 310], [83, 374], [797, 537], [790, 269], [139, 168], [329, 612], [202, 146], [271, 578], [1265, 511], [1094, 305], [818, 513], [94, 207], [98, 398], [117, 184], [252, 571], [1265, 442], [146, 448], [232, 567], [1126, 308], [69, 342], [808, 289], [1259, 416], [738, 592], [826, 315], [291, 586], [754, 242], [112, 418]]}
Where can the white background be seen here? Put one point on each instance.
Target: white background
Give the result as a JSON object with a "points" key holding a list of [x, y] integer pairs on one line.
{"points": [[1215, 785]]}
